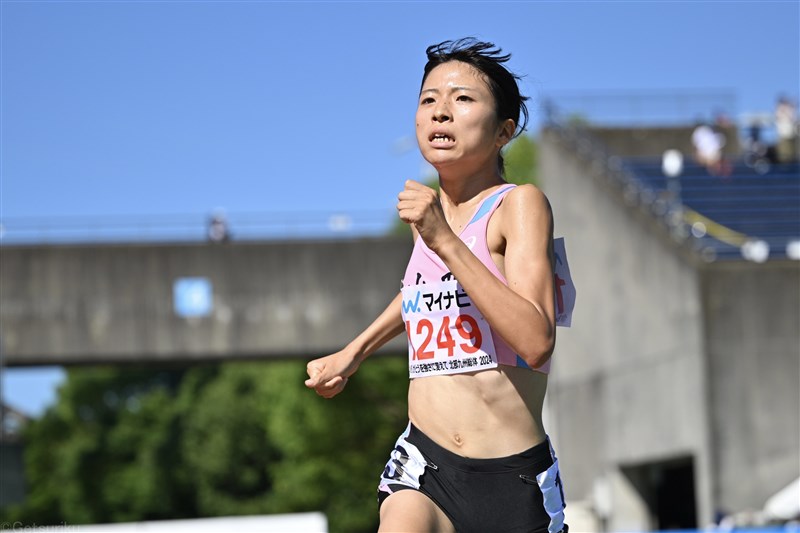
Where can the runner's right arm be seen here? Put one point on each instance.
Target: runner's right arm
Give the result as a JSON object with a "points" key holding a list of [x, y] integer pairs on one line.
{"points": [[328, 375]]}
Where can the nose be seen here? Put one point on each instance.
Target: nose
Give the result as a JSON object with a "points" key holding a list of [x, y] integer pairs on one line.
{"points": [[441, 113]]}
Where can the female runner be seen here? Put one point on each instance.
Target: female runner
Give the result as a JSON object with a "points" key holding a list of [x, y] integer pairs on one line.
{"points": [[478, 307]]}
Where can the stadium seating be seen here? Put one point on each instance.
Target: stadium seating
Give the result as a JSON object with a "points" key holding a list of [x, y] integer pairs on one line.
{"points": [[724, 212]]}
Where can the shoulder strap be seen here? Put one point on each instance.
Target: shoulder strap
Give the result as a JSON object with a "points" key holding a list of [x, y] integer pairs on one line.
{"points": [[490, 203]]}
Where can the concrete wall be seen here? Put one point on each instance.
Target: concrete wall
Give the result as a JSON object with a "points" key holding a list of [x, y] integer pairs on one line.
{"points": [[667, 357], [753, 346], [83, 304], [628, 385]]}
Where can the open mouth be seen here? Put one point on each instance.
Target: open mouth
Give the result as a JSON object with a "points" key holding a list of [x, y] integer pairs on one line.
{"points": [[441, 138]]}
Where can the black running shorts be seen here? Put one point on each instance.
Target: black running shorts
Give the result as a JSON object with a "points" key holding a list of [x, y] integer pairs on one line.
{"points": [[518, 493]]}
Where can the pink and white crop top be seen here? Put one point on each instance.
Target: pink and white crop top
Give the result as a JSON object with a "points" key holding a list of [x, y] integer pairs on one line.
{"points": [[447, 334]]}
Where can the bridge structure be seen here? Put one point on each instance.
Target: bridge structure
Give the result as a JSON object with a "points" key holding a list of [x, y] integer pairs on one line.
{"points": [[197, 301]]}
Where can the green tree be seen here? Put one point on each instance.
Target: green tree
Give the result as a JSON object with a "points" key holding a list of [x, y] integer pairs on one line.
{"points": [[127, 444], [107, 451], [224, 442], [333, 451], [520, 161]]}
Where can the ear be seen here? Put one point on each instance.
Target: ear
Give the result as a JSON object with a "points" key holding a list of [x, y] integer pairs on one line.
{"points": [[505, 132]]}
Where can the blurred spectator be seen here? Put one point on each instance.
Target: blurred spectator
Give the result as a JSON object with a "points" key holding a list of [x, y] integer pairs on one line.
{"points": [[786, 128], [218, 228], [708, 142], [756, 152], [722, 121]]}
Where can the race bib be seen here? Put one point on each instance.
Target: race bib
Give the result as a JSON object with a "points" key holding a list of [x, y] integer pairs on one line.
{"points": [[446, 332], [565, 289]]}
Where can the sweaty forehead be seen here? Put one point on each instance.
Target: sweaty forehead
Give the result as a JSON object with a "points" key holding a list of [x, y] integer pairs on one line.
{"points": [[455, 74]]}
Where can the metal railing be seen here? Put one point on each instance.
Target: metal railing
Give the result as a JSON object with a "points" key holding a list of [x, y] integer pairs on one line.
{"points": [[194, 227], [646, 107]]}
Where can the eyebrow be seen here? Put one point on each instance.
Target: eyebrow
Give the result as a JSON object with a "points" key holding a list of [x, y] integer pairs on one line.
{"points": [[457, 88]]}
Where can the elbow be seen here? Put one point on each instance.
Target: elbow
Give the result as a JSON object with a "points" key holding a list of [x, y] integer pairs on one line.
{"points": [[536, 340], [538, 353], [539, 361]]}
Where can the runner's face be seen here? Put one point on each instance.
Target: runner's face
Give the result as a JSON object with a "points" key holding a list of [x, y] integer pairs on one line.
{"points": [[456, 119]]}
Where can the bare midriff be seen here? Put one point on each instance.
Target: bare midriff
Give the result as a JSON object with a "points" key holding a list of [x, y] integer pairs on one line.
{"points": [[481, 415]]}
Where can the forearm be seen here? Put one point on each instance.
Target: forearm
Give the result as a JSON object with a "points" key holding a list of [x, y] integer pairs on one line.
{"points": [[387, 326], [522, 323]]}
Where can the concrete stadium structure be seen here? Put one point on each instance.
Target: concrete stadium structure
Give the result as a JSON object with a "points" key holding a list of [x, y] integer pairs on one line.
{"points": [[673, 396], [84, 304]]}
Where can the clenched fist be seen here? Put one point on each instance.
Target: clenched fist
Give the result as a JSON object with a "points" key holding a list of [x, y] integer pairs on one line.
{"points": [[419, 206], [328, 375]]}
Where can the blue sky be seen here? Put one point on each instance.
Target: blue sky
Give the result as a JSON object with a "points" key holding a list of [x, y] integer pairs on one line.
{"points": [[153, 108]]}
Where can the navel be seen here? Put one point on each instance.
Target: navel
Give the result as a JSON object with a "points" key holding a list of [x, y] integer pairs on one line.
{"points": [[458, 440]]}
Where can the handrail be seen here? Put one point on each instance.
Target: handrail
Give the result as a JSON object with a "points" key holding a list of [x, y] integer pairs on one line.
{"points": [[193, 227]]}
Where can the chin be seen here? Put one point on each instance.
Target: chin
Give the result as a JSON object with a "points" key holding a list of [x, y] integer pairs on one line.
{"points": [[438, 160], [439, 166]]}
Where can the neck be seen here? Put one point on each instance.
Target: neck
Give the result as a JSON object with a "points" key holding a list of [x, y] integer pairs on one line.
{"points": [[459, 187]]}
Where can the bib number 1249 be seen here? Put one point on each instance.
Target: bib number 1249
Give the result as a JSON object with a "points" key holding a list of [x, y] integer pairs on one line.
{"points": [[446, 332]]}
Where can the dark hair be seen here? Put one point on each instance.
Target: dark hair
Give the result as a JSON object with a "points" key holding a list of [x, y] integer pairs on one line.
{"points": [[487, 59]]}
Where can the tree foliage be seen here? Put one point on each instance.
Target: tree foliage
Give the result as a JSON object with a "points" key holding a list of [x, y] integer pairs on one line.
{"points": [[520, 161], [107, 451], [128, 444]]}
